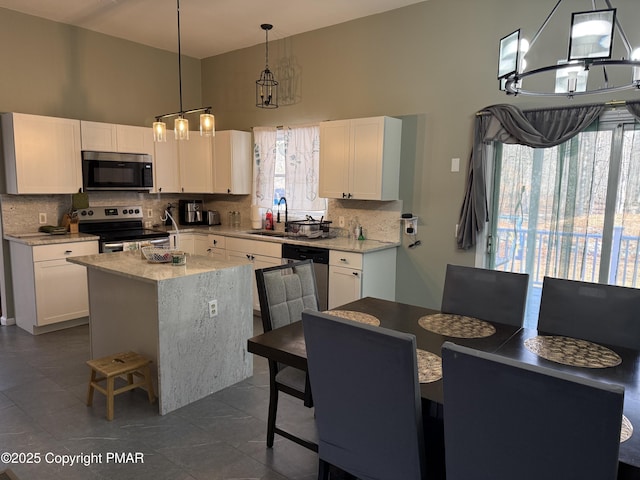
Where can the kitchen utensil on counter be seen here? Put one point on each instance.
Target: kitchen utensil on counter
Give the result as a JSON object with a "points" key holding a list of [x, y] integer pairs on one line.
{"points": [[234, 219], [256, 217], [213, 217]]}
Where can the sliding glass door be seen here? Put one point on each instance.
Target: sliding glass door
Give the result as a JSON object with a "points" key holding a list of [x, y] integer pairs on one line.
{"points": [[571, 211]]}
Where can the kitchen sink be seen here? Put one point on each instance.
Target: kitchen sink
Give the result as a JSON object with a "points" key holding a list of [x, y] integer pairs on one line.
{"points": [[267, 233]]}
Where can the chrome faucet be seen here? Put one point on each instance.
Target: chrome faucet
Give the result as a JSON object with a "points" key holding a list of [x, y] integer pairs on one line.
{"points": [[286, 213]]}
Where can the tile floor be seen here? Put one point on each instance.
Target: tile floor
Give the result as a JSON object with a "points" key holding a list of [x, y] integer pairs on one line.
{"points": [[43, 384]]}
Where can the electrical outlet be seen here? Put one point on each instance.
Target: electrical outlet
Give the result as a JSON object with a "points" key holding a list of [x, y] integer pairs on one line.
{"points": [[341, 222], [42, 218], [213, 308], [149, 212]]}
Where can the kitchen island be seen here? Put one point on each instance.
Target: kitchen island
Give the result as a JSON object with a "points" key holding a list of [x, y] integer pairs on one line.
{"points": [[162, 311]]}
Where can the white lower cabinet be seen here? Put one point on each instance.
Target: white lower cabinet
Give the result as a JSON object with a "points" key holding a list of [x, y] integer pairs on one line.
{"points": [[47, 288], [214, 246], [261, 254], [356, 275]]}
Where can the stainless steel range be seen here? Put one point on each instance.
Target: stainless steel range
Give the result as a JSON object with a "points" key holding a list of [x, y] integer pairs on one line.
{"points": [[119, 228]]}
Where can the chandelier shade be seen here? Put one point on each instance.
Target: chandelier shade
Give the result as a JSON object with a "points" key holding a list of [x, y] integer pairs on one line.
{"points": [[181, 124], [587, 67]]}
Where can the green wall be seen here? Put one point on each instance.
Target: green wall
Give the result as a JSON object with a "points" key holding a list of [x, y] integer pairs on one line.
{"points": [[433, 64]]}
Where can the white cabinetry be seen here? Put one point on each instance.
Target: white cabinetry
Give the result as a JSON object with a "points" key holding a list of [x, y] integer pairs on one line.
{"points": [[356, 275], [41, 154], [360, 158], [185, 242], [110, 137], [232, 162], [183, 166], [47, 288], [261, 254]]}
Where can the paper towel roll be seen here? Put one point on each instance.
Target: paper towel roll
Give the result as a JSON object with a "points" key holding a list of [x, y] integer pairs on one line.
{"points": [[256, 216]]}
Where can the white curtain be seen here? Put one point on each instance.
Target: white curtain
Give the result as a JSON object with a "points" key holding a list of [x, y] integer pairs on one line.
{"points": [[302, 156], [298, 148], [264, 164]]}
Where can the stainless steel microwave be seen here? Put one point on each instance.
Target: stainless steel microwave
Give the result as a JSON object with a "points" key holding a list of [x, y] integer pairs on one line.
{"points": [[116, 171]]}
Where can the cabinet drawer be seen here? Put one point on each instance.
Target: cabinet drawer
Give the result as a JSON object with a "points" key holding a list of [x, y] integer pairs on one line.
{"points": [[217, 241], [345, 259], [255, 247], [64, 250]]}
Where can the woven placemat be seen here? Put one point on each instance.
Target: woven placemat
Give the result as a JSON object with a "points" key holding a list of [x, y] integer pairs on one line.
{"points": [[627, 429], [429, 366], [355, 316], [458, 326], [572, 351]]}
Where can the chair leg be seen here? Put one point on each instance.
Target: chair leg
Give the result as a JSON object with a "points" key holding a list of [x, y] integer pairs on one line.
{"points": [[92, 379], [323, 470], [271, 419]]}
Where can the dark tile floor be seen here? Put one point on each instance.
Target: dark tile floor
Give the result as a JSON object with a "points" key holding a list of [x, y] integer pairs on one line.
{"points": [[43, 384]]}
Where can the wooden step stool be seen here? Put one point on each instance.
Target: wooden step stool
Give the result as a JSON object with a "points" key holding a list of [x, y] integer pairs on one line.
{"points": [[126, 363]]}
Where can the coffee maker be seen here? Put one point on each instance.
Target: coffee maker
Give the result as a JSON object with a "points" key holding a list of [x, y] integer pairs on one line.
{"points": [[190, 212]]}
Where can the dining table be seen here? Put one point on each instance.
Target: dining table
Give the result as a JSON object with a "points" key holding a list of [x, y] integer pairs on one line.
{"points": [[286, 345]]}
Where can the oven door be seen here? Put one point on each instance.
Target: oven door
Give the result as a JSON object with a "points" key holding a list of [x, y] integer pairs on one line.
{"points": [[132, 245]]}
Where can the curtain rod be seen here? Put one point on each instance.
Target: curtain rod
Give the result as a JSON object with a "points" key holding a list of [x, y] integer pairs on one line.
{"points": [[612, 103]]}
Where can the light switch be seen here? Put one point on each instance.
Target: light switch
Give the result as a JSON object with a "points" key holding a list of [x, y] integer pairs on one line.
{"points": [[455, 164]]}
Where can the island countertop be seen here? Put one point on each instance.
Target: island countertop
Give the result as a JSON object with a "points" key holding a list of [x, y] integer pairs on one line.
{"points": [[132, 265]]}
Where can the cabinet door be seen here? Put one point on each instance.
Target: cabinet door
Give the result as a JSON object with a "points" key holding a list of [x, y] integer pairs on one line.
{"points": [[61, 291], [132, 139], [98, 136], [200, 244], [259, 261], [345, 285], [195, 157], [166, 166], [365, 168], [186, 243], [42, 154], [334, 159], [232, 162]]}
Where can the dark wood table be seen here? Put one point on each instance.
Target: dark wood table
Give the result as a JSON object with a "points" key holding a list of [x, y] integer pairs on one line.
{"points": [[287, 345]]}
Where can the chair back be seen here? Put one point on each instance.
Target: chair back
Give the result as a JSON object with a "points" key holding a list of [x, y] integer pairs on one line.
{"points": [[504, 419], [591, 311], [490, 295], [367, 398], [284, 292]]}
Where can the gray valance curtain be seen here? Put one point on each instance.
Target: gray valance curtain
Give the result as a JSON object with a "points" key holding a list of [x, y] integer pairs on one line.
{"points": [[508, 124]]}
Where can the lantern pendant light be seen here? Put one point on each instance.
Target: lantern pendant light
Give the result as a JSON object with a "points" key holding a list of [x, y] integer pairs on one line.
{"points": [[266, 85]]}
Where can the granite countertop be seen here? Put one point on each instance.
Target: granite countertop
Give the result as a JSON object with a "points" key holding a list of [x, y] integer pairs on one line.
{"points": [[338, 243], [39, 238], [132, 265]]}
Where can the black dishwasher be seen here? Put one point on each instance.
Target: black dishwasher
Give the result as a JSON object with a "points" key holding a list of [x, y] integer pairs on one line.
{"points": [[320, 257]]}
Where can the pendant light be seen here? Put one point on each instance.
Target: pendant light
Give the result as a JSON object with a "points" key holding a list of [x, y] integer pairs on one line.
{"points": [[181, 124], [266, 85]]}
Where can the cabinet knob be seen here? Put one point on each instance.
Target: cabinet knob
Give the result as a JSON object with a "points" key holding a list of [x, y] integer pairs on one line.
{"points": [[68, 252], [356, 274], [344, 195], [209, 249], [228, 190], [215, 242], [344, 260], [349, 196]]}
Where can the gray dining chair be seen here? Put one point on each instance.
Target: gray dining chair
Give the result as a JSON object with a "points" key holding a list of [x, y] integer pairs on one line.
{"points": [[490, 295], [504, 419], [284, 292], [367, 399], [591, 311]]}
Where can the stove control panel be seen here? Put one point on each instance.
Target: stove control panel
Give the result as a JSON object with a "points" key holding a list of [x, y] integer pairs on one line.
{"points": [[110, 213]]}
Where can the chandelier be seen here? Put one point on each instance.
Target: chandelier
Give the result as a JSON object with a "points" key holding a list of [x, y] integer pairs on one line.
{"points": [[589, 66], [266, 85], [181, 124]]}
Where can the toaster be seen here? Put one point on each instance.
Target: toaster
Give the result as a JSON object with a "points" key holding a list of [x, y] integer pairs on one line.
{"points": [[213, 217]]}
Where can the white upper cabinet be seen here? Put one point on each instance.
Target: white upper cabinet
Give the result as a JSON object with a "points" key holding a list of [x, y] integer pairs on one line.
{"points": [[109, 137], [232, 162], [183, 166], [360, 158], [41, 154]]}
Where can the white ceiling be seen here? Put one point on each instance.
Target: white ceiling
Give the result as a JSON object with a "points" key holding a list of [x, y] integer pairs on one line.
{"points": [[208, 27]]}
